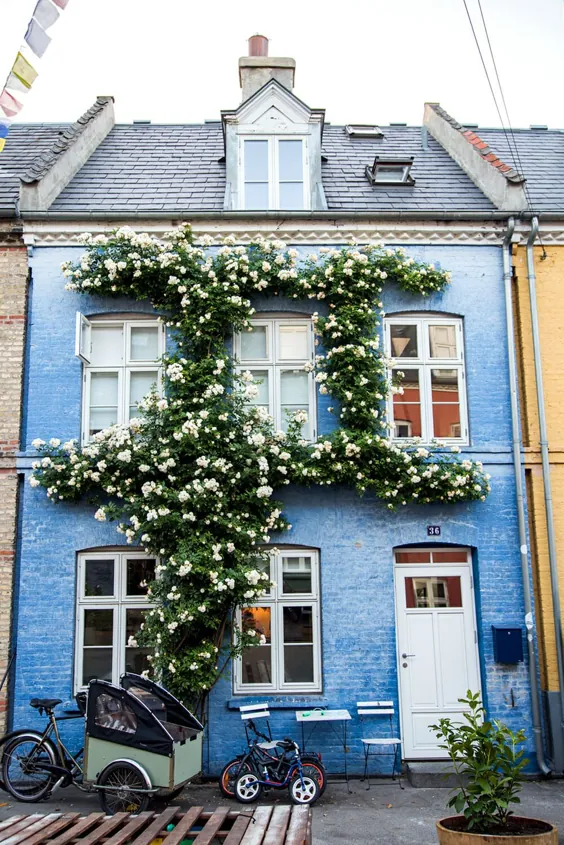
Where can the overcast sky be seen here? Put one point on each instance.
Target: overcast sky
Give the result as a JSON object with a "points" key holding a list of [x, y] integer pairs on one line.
{"points": [[371, 61]]}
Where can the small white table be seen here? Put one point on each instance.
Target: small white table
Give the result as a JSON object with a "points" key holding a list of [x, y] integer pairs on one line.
{"points": [[319, 714]]}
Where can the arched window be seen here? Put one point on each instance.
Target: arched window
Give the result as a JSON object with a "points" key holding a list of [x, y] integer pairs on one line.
{"points": [[112, 601], [287, 619], [276, 351], [428, 349], [120, 355]]}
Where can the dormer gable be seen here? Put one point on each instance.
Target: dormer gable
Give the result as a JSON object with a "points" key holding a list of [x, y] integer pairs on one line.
{"points": [[273, 152]]}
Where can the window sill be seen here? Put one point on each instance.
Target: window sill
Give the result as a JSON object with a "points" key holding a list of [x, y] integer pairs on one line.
{"points": [[293, 702]]}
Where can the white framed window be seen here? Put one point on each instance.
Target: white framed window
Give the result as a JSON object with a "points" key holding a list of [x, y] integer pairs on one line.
{"points": [[112, 602], [429, 351], [288, 618], [276, 352], [273, 173], [120, 367]]}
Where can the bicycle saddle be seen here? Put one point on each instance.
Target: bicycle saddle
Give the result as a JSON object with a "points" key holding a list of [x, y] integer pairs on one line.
{"points": [[46, 703]]}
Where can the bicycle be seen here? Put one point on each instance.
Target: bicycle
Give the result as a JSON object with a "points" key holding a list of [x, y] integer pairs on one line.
{"points": [[261, 745], [277, 773]]}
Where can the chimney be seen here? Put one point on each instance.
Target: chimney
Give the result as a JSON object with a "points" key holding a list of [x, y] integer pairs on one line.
{"points": [[256, 69]]}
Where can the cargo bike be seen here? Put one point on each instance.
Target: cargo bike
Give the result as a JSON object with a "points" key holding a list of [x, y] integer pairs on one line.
{"points": [[140, 744]]}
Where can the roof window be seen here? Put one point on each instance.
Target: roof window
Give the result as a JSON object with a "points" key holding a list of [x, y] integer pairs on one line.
{"points": [[363, 130], [390, 171]]}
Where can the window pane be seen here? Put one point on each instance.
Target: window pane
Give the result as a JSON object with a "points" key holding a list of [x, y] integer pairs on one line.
{"points": [[407, 414], [135, 658], [290, 161], [446, 417], [256, 161], [99, 577], [256, 196], [98, 627], [261, 381], [257, 665], [254, 344], [103, 390], [442, 341], [97, 663], [114, 714], [293, 342], [294, 387], [404, 341], [107, 346], [257, 619], [298, 624], [144, 343], [139, 571], [390, 174], [413, 557], [264, 566], [296, 575], [298, 664], [433, 592], [139, 385], [292, 195]]}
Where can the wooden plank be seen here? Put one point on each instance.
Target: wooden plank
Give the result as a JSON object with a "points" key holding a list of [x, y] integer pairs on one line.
{"points": [[107, 826], [29, 825], [278, 826], [79, 828], [297, 829], [183, 826], [235, 835], [207, 835], [135, 823], [48, 831], [256, 830], [158, 825], [9, 822]]}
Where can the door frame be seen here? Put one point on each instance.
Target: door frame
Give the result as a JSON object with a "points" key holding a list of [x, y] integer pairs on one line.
{"points": [[433, 567]]}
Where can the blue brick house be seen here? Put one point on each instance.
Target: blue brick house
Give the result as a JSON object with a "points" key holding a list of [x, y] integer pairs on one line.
{"points": [[369, 604]]}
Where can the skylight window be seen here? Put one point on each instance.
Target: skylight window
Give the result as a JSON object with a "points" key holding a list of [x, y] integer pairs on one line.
{"points": [[363, 130], [390, 171]]}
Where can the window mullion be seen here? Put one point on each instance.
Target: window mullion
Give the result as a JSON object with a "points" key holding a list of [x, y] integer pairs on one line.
{"points": [[273, 175]]}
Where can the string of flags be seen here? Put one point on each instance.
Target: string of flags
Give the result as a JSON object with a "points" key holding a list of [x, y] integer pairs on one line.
{"points": [[23, 74]]}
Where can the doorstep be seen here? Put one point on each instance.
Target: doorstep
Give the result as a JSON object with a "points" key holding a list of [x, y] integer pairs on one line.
{"points": [[431, 773]]}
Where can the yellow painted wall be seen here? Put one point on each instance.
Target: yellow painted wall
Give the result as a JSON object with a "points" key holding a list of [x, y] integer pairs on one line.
{"points": [[550, 303]]}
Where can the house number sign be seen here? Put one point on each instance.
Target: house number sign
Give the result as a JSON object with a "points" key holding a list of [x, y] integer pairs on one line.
{"points": [[433, 530]]}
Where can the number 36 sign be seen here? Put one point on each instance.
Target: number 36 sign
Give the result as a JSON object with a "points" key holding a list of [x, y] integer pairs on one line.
{"points": [[433, 530]]}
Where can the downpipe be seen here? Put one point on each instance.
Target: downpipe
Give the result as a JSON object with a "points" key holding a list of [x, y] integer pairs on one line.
{"points": [[522, 526], [547, 484]]}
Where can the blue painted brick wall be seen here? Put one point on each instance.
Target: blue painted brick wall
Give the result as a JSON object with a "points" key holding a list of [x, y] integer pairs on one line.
{"points": [[356, 536]]}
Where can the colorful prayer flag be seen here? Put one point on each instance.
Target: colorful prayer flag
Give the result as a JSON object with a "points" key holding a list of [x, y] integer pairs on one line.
{"points": [[45, 13], [36, 38], [9, 104], [4, 128], [24, 71], [2, 144], [62, 4], [14, 83]]}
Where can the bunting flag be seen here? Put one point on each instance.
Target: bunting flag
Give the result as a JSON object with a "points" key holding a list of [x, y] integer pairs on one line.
{"points": [[23, 74]]}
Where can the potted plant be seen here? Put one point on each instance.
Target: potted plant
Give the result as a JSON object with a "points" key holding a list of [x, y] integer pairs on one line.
{"points": [[489, 765]]}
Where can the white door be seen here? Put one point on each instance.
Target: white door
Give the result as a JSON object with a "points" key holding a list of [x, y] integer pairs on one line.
{"points": [[437, 649]]}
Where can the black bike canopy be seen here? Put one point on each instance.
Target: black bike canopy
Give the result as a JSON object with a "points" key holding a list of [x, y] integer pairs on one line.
{"points": [[147, 691]]}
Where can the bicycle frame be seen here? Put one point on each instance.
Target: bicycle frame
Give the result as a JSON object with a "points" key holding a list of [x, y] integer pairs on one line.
{"points": [[51, 733]]}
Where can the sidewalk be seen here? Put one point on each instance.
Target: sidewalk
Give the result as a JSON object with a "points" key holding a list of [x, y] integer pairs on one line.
{"points": [[382, 815]]}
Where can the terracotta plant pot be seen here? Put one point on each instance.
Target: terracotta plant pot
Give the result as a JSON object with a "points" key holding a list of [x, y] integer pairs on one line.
{"points": [[451, 832]]}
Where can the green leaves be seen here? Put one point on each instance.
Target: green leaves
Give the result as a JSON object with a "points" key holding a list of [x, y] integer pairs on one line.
{"points": [[489, 764]]}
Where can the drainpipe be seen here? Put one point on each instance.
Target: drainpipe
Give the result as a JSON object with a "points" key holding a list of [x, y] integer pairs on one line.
{"points": [[553, 563], [518, 471]]}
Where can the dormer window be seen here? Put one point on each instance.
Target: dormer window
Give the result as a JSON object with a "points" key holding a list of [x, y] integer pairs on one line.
{"points": [[274, 173], [391, 171], [363, 130]]}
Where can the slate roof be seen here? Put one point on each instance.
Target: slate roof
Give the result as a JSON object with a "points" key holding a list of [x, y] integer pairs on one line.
{"points": [[146, 167]]}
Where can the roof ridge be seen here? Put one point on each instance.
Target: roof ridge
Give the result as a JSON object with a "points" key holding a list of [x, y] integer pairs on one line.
{"points": [[480, 146], [45, 161]]}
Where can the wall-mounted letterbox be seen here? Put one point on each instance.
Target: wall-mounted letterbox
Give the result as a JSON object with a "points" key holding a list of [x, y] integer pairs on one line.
{"points": [[507, 643]]}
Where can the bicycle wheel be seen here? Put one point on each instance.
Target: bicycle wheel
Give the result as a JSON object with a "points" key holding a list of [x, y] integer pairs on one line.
{"points": [[229, 775], [125, 780], [303, 789], [22, 774], [312, 767], [247, 788]]}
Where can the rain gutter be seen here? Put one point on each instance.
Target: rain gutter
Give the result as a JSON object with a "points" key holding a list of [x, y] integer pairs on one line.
{"points": [[175, 214]]}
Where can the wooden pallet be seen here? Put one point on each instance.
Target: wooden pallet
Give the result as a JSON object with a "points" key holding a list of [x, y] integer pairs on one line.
{"points": [[280, 825]]}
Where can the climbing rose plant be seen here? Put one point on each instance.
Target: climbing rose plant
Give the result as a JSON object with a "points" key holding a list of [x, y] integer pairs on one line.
{"points": [[192, 478]]}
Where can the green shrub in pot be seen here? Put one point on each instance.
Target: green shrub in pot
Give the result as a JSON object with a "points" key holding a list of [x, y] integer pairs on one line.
{"points": [[489, 763]]}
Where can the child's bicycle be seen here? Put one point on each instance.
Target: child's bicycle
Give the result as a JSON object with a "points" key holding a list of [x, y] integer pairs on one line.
{"points": [[272, 772], [264, 751]]}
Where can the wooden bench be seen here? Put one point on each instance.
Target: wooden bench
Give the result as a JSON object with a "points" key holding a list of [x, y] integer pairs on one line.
{"points": [[265, 825]]}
